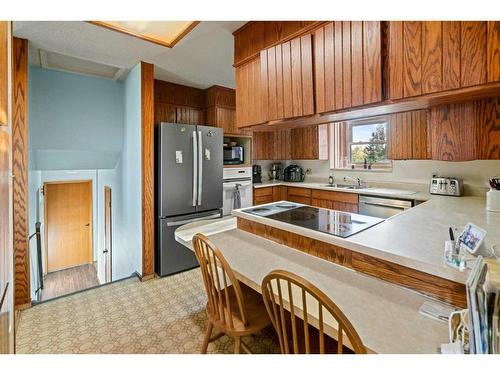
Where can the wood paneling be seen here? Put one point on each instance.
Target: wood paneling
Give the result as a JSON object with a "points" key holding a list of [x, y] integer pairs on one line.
{"points": [[254, 36], [178, 95], [220, 96], [451, 55], [220, 108], [493, 51], [466, 131], [473, 53], [347, 64], [408, 136], [436, 287], [269, 194], [432, 56], [305, 143], [412, 58], [147, 126], [178, 104], [287, 79], [4, 25], [68, 224], [299, 195], [20, 171], [249, 102]]}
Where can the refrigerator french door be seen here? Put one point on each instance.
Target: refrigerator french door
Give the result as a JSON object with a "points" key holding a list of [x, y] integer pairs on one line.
{"points": [[188, 187]]}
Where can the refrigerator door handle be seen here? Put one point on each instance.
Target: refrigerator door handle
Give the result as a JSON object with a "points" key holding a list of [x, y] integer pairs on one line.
{"points": [[182, 222], [200, 167], [195, 169]]}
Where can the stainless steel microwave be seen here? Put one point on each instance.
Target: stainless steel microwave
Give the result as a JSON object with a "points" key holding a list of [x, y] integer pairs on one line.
{"points": [[233, 155]]}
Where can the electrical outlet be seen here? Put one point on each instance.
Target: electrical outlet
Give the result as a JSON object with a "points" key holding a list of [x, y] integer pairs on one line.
{"points": [[308, 171]]}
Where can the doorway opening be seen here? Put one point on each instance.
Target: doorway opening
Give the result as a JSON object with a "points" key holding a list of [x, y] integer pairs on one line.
{"points": [[68, 257]]}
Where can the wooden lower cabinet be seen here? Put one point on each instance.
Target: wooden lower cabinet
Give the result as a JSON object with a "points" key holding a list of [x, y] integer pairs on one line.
{"points": [[269, 194], [335, 200], [299, 195]]}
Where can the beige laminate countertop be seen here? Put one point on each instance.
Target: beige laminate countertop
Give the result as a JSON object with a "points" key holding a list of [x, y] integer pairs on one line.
{"points": [[386, 316], [377, 191], [414, 238]]}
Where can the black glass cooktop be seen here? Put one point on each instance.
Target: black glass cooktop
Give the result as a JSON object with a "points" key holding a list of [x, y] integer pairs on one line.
{"points": [[337, 223]]}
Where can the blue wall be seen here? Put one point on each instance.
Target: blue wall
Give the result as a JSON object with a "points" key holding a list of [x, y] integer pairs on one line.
{"points": [[75, 121], [127, 252]]}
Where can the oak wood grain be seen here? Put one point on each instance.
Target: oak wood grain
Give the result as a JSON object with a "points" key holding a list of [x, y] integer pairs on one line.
{"points": [[451, 55], [20, 171], [473, 53], [372, 60], [147, 142], [493, 51], [432, 56], [412, 59]]}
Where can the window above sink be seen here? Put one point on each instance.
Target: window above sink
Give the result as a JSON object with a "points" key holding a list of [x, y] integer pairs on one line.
{"points": [[360, 145]]}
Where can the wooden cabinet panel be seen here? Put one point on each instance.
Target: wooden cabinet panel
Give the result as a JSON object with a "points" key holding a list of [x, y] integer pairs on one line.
{"points": [[334, 200], [269, 194], [412, 58], [165, 113], [309, 143], [466, 131], [493, 49], [473, 53], [263, 145], [408, 136], [347, 65], [433, 56], [282, 145], [222, 118], [299, 199], [191, 116], [303, 192], [287, 79], [451, 55], [248, 100]]}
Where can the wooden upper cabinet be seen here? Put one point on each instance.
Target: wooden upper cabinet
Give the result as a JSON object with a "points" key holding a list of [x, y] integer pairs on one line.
{"points": [[409, 136], [347, 65], [248, 98], [424, 57], [220, 108], [466, 131], [287, 79]]}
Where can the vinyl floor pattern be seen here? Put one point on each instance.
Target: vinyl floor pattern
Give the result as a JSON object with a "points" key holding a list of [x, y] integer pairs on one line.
{"points": [[164, 315]]}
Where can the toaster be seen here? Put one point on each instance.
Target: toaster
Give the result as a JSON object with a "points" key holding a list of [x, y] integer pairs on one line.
{"points": [[446, 186]]}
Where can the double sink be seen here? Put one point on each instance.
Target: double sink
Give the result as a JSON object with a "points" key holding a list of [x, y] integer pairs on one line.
{"points": [[344, 186]]}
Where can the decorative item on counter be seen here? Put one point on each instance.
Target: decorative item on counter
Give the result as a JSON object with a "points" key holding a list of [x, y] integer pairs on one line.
{"points": [[470, 241], [493, 196]]}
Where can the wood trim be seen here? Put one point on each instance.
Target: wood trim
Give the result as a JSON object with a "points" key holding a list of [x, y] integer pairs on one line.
{"points": [[20, 172], [489, 90], [125, 31], [430, 285], [147, 125], [4, 74]]}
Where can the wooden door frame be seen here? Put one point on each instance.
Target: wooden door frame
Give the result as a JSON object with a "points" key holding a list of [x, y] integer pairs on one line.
{"points": [[45, 222], [110, 250]]}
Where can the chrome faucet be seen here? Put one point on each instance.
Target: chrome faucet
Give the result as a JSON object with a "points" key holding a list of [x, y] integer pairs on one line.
{"points": [[357, 180]]}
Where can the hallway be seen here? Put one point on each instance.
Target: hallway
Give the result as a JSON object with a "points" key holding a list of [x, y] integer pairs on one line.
{"points": [[68, 281]]}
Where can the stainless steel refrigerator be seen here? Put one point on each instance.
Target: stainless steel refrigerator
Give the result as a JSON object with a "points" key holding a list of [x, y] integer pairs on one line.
{"points": [[188, 184]]}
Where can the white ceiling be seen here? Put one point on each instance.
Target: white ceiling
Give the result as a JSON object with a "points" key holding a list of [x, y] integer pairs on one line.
{"points": [[201, 59]]}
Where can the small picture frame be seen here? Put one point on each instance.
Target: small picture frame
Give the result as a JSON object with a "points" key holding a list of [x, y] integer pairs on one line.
{"points": [[472, 238]]}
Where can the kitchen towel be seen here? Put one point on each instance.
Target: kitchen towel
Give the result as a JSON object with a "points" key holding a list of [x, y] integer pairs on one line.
{"points": [[236, 197]]}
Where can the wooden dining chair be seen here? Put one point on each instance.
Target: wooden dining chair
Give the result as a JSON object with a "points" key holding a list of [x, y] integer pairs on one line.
{"points": [[235, 309], [305, 302]]}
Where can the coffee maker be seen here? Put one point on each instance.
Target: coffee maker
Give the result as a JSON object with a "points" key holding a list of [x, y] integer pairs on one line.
{"points": [[256, 173]]}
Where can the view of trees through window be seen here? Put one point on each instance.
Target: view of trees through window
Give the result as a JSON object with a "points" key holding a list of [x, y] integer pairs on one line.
{"points": [[368, 142]]}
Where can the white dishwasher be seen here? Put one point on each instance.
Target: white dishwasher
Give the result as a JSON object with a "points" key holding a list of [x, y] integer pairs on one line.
{"points": [[237, 180]]}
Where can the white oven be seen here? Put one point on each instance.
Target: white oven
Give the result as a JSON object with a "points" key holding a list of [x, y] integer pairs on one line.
{"points": [[240, 179]]}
